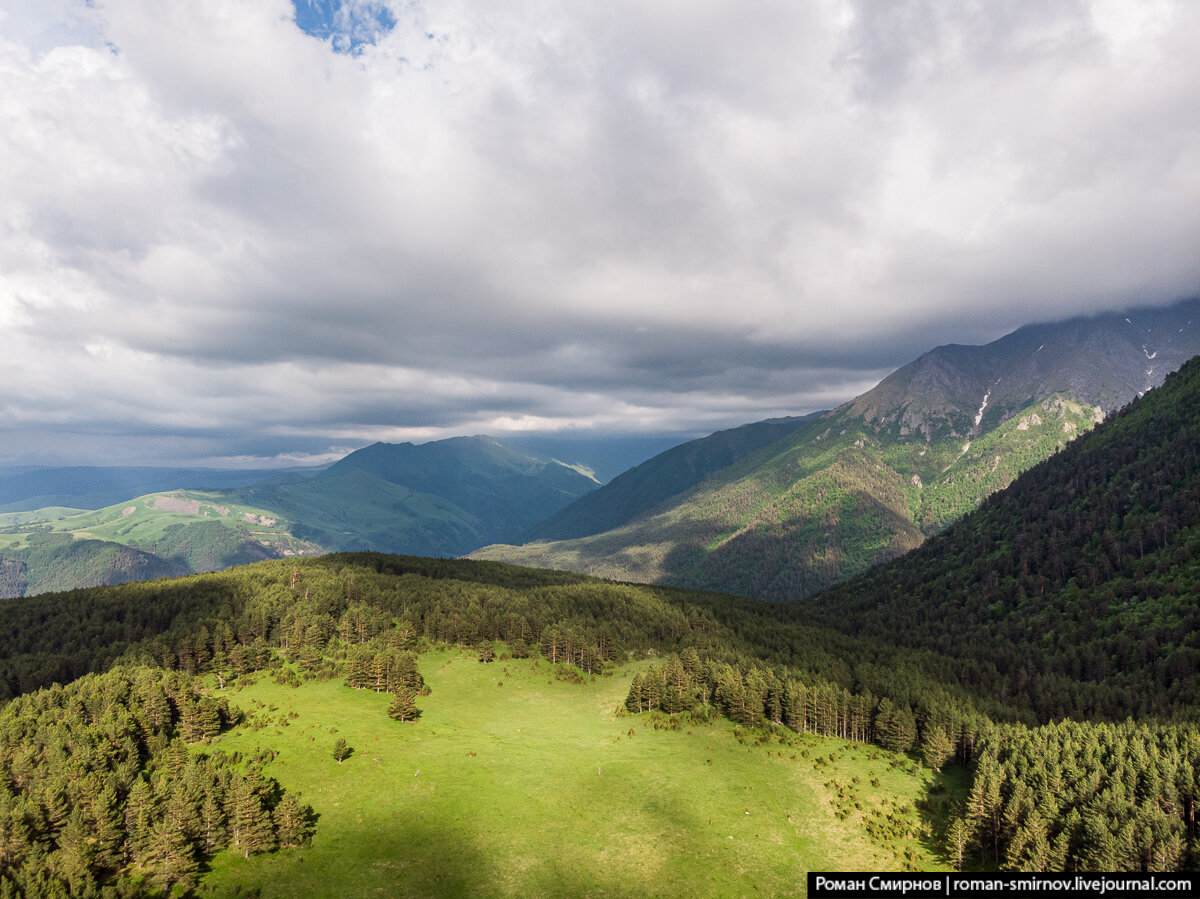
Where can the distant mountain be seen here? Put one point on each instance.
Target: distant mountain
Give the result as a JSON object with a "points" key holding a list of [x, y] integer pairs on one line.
{"points": [[605, 456], [94, 487], [667, 474], [443, 498], [872, 479]]}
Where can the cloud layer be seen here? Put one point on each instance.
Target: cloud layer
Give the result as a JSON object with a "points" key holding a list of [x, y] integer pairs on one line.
{"points": [[223, 238]]}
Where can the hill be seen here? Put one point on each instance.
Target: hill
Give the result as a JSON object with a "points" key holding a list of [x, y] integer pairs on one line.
{"points": [[875, 477], [661, 477], [442, 498], [267, 664]]}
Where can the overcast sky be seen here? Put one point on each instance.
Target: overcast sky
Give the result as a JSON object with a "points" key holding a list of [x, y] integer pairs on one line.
{"points": [[251, 232]]}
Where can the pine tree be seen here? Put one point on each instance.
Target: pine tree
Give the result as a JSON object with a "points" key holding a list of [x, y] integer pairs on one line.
{"points": [[936, 747], [170, 858], [293, 824], [140, 815], [635, 701], [404, 706], [107, 829], [341, 750], [250, 821], [957, 837], [213, 832]]}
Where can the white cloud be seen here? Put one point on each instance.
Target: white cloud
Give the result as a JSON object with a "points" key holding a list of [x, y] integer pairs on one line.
{"points": [[658, 216]]}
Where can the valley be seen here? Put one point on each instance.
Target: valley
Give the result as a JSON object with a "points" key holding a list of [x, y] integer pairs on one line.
{"points": [[873, 478], [602, 450]]}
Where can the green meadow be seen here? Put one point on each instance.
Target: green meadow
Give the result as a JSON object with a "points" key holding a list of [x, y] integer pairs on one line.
{"points": [[517, 783]]}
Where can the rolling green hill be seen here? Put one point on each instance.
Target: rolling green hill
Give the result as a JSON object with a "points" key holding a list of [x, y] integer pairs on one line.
{"points": [[441, 499], [874, 478]]}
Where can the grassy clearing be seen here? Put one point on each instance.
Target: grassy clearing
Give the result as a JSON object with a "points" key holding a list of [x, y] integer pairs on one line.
{"points": [[145, 520], [516, 783]]}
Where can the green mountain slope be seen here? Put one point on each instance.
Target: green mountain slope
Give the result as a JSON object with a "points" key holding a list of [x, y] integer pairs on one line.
{"points": [[667, 474], [162, 534], [501, 491], [441, 499], [873, 478], [1074, 590]]}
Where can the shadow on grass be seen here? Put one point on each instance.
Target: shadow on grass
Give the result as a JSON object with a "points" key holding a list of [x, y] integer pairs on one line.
{"points": [[945, 797]]}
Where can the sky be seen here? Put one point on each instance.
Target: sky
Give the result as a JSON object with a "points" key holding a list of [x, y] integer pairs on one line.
{"points": [[258, 232]]}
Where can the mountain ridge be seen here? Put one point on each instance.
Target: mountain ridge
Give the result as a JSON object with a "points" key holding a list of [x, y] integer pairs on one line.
{"points": [[915, 452]]}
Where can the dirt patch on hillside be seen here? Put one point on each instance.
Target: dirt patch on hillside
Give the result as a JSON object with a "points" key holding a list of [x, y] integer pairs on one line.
{"points": [[176, 504]]}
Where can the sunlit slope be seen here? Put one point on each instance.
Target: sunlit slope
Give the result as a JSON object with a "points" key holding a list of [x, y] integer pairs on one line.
{"points": [[666, 475], [1078, 583], [832, 500], [516, 783], [156, 535], [872, 479]]}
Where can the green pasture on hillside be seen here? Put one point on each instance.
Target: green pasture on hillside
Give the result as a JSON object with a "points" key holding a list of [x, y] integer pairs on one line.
{"points": [[516, 783]]}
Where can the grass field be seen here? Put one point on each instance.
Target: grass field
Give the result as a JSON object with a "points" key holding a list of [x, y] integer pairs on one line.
{"points": [[514, 783]]}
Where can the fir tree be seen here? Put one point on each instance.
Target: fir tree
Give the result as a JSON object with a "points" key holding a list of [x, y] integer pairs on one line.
{"points": [[293, 822], [250, 822], [404, 706]]}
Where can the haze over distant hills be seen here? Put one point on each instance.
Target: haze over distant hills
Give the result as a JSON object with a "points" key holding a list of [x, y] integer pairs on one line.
{"points": [[24, 489], [442, 498], [873, 478]]}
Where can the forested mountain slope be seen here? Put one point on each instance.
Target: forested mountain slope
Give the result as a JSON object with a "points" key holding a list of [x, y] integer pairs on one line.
{"points": [[1079, 584], [666, 475], [361, 616], [872, 479]]}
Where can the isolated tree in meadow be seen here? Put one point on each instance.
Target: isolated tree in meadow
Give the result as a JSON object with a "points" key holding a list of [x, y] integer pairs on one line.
{"points": [[404, 706], [341, 750]]}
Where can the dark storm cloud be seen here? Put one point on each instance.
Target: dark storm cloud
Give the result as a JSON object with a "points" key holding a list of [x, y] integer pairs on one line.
{"points": [[232, 240]]}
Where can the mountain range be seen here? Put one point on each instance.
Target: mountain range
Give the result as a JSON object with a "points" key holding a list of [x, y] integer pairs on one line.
{"points": [[873, 478], [442, 498], [777, 509]]}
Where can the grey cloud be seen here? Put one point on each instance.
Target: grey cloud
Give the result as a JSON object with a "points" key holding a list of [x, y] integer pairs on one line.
{"points": [[630, 217]]}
